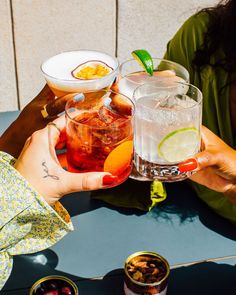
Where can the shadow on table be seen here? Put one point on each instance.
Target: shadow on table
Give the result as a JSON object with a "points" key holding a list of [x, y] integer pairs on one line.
{"points": [[184, 203], [203, 278], [181, 202]]}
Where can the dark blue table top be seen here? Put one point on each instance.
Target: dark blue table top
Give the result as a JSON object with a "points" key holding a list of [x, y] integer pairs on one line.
{"points": [[204, 278], [182, 229]]}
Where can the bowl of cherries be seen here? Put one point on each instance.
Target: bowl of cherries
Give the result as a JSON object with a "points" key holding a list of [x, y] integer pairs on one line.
{"points": [[54, 285]]}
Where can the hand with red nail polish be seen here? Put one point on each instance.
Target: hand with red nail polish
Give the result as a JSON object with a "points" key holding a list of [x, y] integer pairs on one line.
{"points": [[109, 179], [215, 166], [188, 165], [49, 179]]}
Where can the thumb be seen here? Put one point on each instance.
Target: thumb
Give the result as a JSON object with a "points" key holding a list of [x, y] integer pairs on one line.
{"points": [[89, 181], [200, 161]]}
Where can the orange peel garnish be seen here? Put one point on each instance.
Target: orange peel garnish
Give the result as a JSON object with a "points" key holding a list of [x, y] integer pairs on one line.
{"points": [[120, 158]]}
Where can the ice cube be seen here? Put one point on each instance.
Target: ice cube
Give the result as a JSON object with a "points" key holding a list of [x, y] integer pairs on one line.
{"points": [[107, 116]]}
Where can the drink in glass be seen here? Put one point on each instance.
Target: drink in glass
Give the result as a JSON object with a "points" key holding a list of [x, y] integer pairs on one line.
{"points": [[79, 71], [99, 129], [167, 128], [132, 74]]}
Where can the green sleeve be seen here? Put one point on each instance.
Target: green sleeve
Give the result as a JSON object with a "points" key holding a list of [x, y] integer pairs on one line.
{"points": [[212, 82], [181, 48], [218, 202], [27, 223]]}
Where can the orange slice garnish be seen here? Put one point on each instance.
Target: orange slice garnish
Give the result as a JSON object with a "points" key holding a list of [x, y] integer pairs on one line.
{"points": [[120, 158]]}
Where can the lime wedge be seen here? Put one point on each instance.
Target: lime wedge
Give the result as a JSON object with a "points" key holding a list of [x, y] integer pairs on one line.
{"points": [[145, 60], [179, 145]]}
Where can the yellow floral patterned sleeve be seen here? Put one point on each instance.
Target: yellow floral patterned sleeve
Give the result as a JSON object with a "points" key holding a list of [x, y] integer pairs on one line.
{"points": [[27, 223]]}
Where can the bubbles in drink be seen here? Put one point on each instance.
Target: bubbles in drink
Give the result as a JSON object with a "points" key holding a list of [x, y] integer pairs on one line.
{"points": [[158, 117]]}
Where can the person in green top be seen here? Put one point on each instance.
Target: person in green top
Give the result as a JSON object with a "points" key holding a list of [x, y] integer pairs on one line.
{"points": [[206, 46]]}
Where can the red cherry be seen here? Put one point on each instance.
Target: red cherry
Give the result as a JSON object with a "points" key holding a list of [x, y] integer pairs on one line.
{"points": [[55, 292], [66, 291]]}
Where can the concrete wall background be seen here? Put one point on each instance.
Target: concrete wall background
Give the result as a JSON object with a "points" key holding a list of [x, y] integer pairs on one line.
{"points": [[33, 30]]}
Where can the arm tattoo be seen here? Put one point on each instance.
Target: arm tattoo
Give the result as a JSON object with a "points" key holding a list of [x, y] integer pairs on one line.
{"points": [[45, 169]]}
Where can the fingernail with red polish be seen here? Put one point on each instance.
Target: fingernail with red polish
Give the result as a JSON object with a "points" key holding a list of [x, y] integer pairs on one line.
{"points": [[109, 179], [188, 165]]}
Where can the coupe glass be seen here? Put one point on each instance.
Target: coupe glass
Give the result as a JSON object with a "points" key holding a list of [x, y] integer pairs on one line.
{"points": [[59, 71]]}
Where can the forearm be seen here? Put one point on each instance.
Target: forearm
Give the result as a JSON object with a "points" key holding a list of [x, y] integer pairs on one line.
{"points": [[11, 141], [27, 223]]}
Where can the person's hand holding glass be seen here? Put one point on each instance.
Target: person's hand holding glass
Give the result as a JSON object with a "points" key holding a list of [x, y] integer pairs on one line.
{"points": [[99, 134], [167, 128]]}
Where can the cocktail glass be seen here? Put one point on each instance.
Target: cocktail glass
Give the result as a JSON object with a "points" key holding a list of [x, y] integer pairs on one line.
{"points": [[79, 71], [99, 131], [132, 74], [167, 128]]}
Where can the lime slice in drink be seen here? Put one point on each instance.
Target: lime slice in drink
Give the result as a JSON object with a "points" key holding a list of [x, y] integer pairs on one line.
{"points": [[179, 145], [145, 60]]}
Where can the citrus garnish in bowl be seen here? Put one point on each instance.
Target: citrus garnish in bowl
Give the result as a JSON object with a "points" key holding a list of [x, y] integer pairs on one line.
{"points": [[145, 60], [179, 144], [89, 70]]}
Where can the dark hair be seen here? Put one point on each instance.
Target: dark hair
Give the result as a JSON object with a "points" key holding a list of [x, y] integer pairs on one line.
{"points": [[221, 34]]}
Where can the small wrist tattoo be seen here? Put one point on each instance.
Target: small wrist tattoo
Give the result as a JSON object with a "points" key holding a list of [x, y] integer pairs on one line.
{"points": [[45, 169]]}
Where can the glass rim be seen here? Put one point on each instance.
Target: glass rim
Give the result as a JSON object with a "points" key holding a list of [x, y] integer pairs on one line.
{"points": [[54, 277], [153, 58], [77, 80], [197, 102], [99, 127]]}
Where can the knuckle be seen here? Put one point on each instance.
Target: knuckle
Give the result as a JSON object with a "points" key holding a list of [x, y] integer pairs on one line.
{"points": [[90, 182]]}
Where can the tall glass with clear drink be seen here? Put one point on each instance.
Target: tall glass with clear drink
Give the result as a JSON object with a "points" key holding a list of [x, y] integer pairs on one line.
{"points": [[167, 128], [132, 75]]}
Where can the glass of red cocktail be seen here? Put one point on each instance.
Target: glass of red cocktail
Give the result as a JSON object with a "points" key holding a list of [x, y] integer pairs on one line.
{"points": [[99, 133]]}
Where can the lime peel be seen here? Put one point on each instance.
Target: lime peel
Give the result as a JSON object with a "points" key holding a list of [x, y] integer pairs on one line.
{"points": [[144, 59], [179, 144]]}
